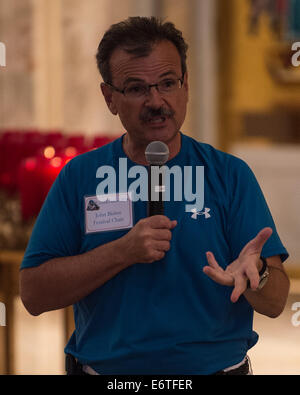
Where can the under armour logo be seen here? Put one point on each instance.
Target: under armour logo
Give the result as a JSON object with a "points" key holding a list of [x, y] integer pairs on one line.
{"points": [[205, 213]]}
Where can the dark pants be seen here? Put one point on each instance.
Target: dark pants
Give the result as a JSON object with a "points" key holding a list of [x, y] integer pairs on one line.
{"points": [[73, 367]]}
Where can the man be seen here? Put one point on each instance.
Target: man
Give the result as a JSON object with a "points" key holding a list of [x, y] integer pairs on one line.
{"points": [[145, 299]]}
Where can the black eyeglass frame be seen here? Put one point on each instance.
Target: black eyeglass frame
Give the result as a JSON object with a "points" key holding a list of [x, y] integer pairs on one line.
{"points": [[148, 86]]}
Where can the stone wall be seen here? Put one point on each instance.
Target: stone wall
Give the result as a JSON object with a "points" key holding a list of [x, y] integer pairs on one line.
{"points": [[16, 79], [51, 80]]}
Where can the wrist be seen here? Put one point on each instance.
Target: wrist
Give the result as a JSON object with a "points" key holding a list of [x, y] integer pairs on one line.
{"points": [[263, 266], [263, 273], [122, 249], [260, 265]]}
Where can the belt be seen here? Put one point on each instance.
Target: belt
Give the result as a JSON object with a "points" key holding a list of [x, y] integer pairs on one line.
{"points": [[241, 369], [73, 367]]}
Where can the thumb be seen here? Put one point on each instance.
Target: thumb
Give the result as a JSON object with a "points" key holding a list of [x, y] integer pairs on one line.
{"points": [[263, 236], [256, 244], [173, 224]]}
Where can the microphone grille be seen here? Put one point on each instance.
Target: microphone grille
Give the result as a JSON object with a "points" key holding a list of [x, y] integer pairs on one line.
{"points": [[157, 153]]}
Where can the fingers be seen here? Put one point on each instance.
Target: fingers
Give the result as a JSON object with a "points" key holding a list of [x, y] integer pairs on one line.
{"points": [[261, 238], [265, 233], [162, 234], [253, 276], [240, 286], [173, 224], [256, 245], [219, 277], [157, 251], [161, 222], [161, 246], [212, 260], [249, 255], [237, 275], [150, 238], [215, 272]]}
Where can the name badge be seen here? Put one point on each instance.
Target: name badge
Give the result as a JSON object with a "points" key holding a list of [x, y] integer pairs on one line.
{"points": [[109, 212]]}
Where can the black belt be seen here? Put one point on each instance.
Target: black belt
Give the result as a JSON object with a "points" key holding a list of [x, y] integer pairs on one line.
{"points": [[74, 368], [240, 371]]}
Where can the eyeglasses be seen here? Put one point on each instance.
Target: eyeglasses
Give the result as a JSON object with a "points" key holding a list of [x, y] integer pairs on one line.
{"points": [[137, 90]]}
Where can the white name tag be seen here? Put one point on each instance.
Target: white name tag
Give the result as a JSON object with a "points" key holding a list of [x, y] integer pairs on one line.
{"points": [[112, 213]]}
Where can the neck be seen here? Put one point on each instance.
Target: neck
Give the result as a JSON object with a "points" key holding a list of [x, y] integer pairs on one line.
{"points": [[136, 150]]}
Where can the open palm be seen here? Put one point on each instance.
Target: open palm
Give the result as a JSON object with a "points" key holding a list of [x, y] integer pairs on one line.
{"points": [[244, 268]]}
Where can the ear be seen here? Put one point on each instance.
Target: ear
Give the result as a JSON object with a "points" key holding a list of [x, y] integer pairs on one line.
{"points": [[108, 96], [186, 82]]}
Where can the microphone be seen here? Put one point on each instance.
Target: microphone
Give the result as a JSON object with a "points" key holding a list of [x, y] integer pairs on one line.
{"points": [[157, 154]]}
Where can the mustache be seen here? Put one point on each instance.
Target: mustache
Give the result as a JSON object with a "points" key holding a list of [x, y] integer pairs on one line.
{"points": [[149, 113]]}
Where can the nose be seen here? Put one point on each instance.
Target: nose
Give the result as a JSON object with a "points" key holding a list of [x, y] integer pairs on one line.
{"points": [[154, 98]]}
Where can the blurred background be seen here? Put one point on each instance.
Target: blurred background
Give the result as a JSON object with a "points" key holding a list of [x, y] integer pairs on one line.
{"points": [[244, 99]]}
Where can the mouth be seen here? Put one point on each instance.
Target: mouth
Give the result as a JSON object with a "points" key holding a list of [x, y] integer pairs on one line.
{"points": [[156, 117], [156, 121]]}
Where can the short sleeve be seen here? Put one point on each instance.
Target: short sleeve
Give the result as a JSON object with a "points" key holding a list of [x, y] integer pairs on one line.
{"points": [[249, 212], [57, 231]]}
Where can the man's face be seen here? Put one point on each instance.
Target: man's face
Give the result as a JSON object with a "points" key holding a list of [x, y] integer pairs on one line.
{"points": [[154, 116]]}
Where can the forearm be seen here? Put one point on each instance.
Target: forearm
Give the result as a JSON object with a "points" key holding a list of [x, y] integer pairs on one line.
{"points": [[271, 299], [64, 281]]}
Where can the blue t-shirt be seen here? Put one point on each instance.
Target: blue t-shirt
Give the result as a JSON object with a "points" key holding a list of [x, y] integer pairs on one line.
{"points": [[166, 317]]}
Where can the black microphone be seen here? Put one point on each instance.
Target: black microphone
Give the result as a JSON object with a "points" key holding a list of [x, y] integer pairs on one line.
{"points": [[157, 154]]}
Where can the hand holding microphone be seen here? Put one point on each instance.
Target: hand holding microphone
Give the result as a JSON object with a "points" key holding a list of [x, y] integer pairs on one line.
{"points": [[157, 154], [150, 238]]}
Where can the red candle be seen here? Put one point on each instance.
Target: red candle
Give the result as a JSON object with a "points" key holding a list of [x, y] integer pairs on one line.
{"points": [[57, 140], [36, 176], [12, 145], [99, 141], [69, 153], [34, 142], [50, 171], [29, 188], [78, 142]]}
